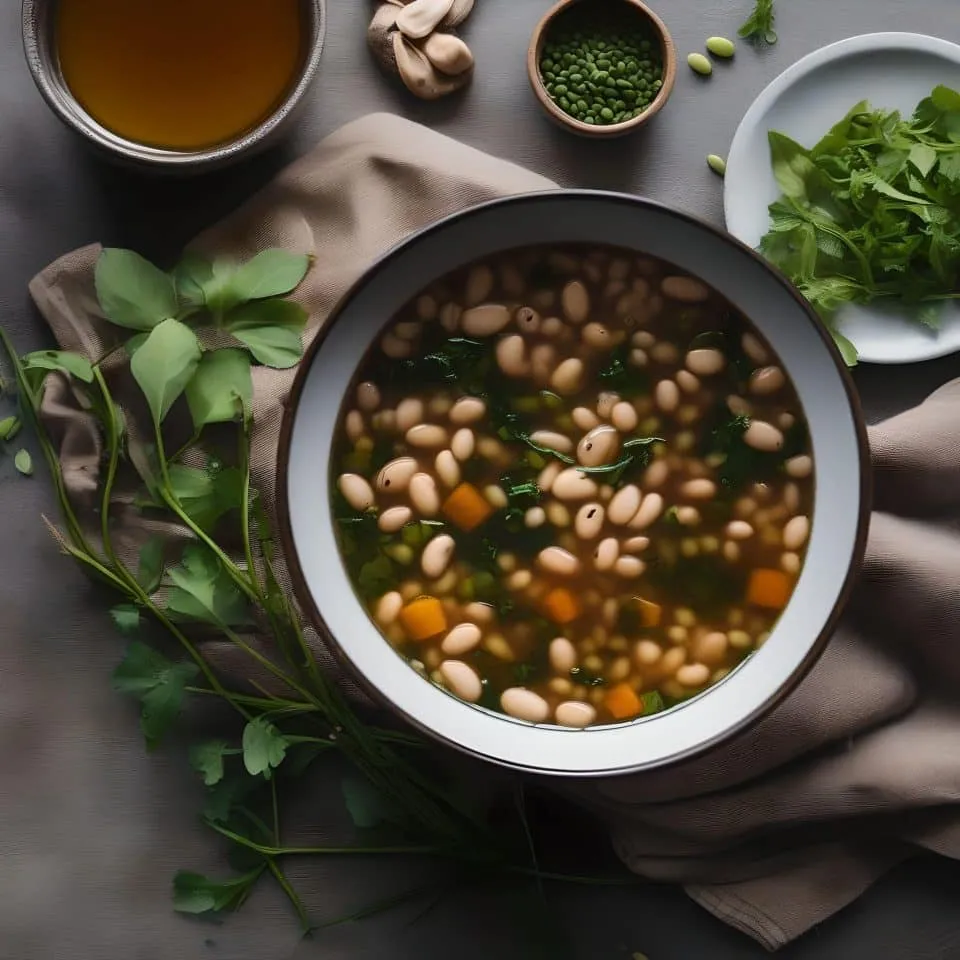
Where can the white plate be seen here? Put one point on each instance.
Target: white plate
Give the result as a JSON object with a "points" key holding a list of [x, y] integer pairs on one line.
{"points": [[890, 70]]}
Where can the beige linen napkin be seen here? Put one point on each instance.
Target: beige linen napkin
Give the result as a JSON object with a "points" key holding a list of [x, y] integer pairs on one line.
{"points": [[776, 830]]}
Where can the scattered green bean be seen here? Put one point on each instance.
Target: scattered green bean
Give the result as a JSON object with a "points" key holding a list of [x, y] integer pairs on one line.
{"points": [[717, 164], [698, 63], [601, 69], [720, 47]]}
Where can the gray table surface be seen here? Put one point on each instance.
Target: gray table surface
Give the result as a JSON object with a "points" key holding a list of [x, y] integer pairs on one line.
{"points": [[91, 829]]}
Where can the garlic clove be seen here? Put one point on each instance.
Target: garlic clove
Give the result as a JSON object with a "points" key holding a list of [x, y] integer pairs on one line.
{"points": [[449, 54], [418, 19], [417, 72]]}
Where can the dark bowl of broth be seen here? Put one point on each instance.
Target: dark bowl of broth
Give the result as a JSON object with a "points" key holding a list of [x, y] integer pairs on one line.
{"points": [[575, 483], [180, 86]]}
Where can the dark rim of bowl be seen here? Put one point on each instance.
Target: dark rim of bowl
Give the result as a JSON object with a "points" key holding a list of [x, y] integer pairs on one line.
{"points": [[41, 55], [291, 405]]}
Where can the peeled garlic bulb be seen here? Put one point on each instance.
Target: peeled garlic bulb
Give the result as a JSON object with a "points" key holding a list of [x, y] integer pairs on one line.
{"points": [[418, 19], [449, 54], [417, 72]]}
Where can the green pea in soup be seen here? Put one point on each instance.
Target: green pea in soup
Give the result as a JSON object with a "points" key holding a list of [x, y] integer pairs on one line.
{"points": [[573, 485]]}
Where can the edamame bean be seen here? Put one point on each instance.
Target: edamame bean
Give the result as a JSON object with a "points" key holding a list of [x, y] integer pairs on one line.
{"points": [[721, 47], [717, 164], [700, 64]]}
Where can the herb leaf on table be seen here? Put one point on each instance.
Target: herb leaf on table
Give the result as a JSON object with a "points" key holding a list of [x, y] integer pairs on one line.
{"points": [[758, 27], [872, 211]]}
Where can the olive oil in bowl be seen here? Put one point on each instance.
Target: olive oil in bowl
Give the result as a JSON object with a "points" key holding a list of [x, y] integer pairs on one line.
{"points": [[180, 75]]}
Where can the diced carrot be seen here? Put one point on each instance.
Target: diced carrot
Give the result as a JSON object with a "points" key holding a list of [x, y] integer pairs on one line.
{"points": [[423, 618], [649, 612], [769, 588], [623, 702], [467, 507], [561, 605]]}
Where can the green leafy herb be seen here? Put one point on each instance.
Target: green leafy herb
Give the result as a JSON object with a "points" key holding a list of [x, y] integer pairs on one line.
{"points": [[264, 747], [157, 683], [125, 617], [277, 347], [164, 365], [271, 273], [23, 462], [9, 428], [758, 27], [205, 495], [872, 211], [221, 388], [620, 377], [207, 759], [133, 292], [203, 590], [195, 893], [367, 807], [150, 568], [60, 360]]}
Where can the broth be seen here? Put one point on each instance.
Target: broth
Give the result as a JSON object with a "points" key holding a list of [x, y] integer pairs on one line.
{"points": [[179, 74], [573, 485]]}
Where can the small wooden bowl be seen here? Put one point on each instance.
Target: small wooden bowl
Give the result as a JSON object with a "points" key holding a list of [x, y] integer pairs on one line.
{"points": [[668, 56]]}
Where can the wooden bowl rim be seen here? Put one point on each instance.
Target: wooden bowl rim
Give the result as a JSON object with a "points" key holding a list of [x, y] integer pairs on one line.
{"points": [[668, 52]]}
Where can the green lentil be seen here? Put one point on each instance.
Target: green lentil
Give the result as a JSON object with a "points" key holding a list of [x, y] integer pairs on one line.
{"points": [[698, 63], [720, 47], [601, 66], [717, 164]]}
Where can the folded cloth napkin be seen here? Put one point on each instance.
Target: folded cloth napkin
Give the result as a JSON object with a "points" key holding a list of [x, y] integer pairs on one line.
{"points": [[779, 828]]}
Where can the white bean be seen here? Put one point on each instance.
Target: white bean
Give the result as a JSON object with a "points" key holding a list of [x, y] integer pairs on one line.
{"points": [[687, 382], [700, 489], [667, 396], [644, 339], [766, 380], [384, 420], [390, 521], [790, 562], [461, 639], [467, 410], [463, 444], [395, 348], [571, 484], [478, 612], [424, 494], [688, 516], [512, 356], [548, 476], [520, 580], [635, 544], [524, 705], [558, 514], [535, 517], [426, 435], [629, 567], [754, 349], [558, 561], [705, 362], [647, 653], [738, 406], [485, 320], [791, 497], [461, 679], [512, 280], [589, 521], [799, 467], [606, 401], [601, 445], [598, 336], [639, 358], [479, 284], [693, 674], [712, 647], [650, 509], [450, 314], [731, 551], [673, 659], [552, 327], [409, 413], [624, 505], [684, 289], [567, 377], [495, 496], [563, 655], [584, 419], [573, 713], [407, 330], [396, 475], [606, 554], [388, 608], [549, 438], [656, 474], [356, 491], [738, 530], [575, 302], [353, 424], [437, 555], [439, 405], [527, 320], [763, 436], [448, 470], [368, 396], [795, 532], [543, 360], [624, 417], [427, 308]]}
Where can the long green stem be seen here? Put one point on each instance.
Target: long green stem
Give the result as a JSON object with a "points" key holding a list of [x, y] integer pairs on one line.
{"points": [[292, 894]]}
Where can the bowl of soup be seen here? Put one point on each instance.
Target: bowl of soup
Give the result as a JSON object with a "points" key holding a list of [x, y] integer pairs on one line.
{"points": [[574, 482]]}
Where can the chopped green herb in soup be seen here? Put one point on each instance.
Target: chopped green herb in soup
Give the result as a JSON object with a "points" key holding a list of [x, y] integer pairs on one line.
{"points": [[573, 485]]}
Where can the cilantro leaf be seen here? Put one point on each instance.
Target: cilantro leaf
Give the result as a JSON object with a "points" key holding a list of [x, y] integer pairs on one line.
{"points": [[207, 760], [126, 617], [195, 893], [264, 747], [202, 590]]}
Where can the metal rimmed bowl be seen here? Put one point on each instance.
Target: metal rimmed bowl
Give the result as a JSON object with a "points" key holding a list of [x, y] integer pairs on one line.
{"points": [[39, 42], [838, 438]]}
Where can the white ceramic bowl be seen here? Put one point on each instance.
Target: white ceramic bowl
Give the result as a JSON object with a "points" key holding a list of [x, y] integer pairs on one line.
{"points": [[839, 445]]}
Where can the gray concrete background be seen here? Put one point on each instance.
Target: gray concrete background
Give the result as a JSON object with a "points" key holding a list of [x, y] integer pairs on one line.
{"points": [[91, 829]]}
